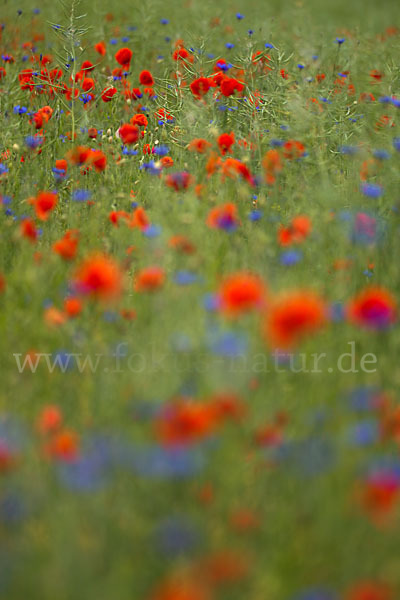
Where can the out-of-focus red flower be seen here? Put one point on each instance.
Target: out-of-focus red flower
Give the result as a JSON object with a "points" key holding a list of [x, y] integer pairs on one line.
{"points": [[373, 308], [128, 133], [292, 316], [44, 203], [149, 279], [98, 276], [241, 292]]}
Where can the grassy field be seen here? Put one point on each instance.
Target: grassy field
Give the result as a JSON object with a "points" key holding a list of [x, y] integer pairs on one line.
{"points": [[200, 217]]}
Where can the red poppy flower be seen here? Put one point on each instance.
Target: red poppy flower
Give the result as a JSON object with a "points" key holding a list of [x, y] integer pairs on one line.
{"points": [[100, 48], [2, 283], [149, 279], [28, 230], [128, 133], [230, 85], [140, 219], [108, 93], [223, 217], [184, 422], [293, 149], [50, 419], [67, 246], [200, 86], [98, 159], [241, 292], [44, 203], [292, 316], [296, 233], [199, 145], [87, 66], [139, 120], [72, 307], [225, 142], [79, 155], [146, 78], [124, 57], [179, 181], [64, 446], [272, 164], [98, 276], [373, 308], [369, 590]]}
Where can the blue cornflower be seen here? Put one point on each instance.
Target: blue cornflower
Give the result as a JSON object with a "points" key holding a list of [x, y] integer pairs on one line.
{"points": [[255, 215], [381, 154], [372, 190], [185, 277], [290, 257], [81, 195], [349, 149], [152, 231], [161, 150]]}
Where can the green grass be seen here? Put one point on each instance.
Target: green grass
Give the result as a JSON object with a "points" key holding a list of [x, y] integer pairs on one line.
{"points": [[95, 533]]}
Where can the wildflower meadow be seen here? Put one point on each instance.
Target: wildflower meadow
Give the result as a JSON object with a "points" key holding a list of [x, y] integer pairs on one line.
{"points": [[199, 297]]}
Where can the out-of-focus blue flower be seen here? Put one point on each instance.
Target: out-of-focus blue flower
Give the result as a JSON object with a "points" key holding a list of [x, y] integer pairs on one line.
{"points": [[59, 174], [151, 168], [340, 41], [20, 110], [316, 594], [313, 455], [396, 144], [185, 277], [175, 535], [381, 154], [81, 195], [128, 152], [229, 344], [364, 398], [157, 462], [161, 150], [152, 231], [372, 190], [86, 474], [337, 312], [255, 215], [33, 142], [13, 509], [290, 257], [276, 143], [63, 360], [364, 434], [211, 302], [3, 169], [349, 150]]}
